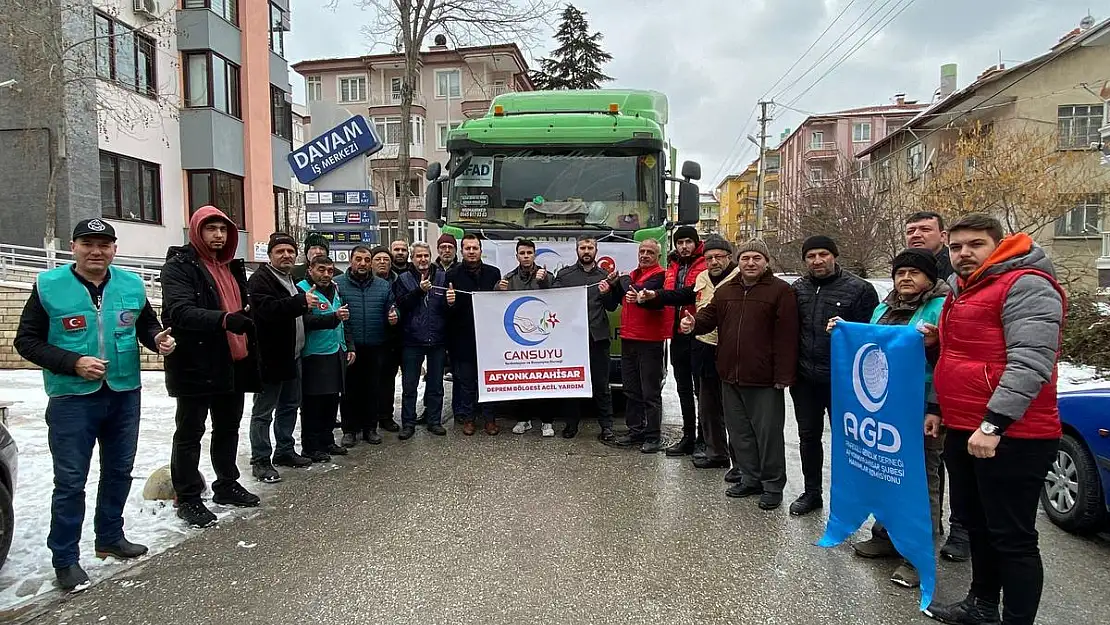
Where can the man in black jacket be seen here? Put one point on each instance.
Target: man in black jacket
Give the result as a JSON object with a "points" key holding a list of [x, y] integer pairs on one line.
{"points": [[204, 299], [826, 291], [278, 307], [401, 263], [469, 276], [381, 264]]}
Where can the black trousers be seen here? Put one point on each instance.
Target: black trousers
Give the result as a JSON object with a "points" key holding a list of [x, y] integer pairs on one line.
{"points": [[361, 395], [192, 412], [317, 419], [602, 401], [996, 499], [711, 413], [642, 377], [688, 384], [387, 382], [812, 401]]}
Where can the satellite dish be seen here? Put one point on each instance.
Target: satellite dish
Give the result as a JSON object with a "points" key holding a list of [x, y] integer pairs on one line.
{"points": [[441, 40]]}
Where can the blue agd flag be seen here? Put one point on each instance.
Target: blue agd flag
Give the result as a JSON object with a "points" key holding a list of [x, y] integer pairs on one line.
{"points": [[878, 441]]}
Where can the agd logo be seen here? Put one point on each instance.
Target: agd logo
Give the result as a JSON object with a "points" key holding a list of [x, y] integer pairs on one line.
{"points": [[870, 382], [528, 321]]}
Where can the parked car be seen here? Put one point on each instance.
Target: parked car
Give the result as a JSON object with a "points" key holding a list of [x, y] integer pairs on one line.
{"points": [[1076, 494], [9, 464]]}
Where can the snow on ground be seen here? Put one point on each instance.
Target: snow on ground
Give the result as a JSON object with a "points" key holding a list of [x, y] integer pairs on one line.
{"points": [[1078, 377]]}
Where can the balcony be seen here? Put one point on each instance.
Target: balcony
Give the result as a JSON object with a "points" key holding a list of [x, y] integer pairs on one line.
{"points": [[477, 99], [817, 151], [394, 99], [391, 150], [1104, 259]]}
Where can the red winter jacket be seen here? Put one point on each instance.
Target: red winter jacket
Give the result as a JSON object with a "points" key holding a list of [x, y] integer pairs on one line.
{"points": [[637, 322], [692, 269]]}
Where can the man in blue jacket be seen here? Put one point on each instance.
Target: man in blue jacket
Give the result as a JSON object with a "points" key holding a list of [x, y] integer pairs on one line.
{"points": [[422, 299]]}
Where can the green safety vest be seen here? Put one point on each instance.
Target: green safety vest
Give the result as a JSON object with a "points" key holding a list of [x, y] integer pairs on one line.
{"points": [[323, 342], [109, 333]]}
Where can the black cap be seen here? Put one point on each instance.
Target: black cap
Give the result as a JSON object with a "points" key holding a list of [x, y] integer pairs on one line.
{"points": [[919, 259], [280, 238], [94, 228], [819, 242], [686, 232]]}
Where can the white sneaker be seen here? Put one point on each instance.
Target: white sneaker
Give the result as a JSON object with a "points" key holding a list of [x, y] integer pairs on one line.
{"points": [[521, 427], [548, 430]]}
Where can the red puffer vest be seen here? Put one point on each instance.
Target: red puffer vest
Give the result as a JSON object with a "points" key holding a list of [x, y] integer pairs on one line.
{"points": [[973, 358], [670, 283], [646, 324]]}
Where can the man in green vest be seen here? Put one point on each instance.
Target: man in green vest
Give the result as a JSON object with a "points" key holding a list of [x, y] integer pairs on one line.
{"points": [[83, 324]]}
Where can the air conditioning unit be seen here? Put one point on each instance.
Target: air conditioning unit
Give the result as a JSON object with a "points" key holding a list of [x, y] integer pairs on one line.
{"points": [[148, 7]]}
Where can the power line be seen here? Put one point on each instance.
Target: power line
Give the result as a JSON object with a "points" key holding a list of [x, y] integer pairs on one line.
{"points": [[728, 156], [811, 47]]}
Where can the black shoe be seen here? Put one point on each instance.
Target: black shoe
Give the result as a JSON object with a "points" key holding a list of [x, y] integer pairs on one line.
{"points": [[349, 440], [957, 548], [196, 514], [235, 495], [389, 426], [807, 503], [407, 432], [372, 437], [265, 472], [438, 430], [606, 435], [337, 450], [72, 578], [570, 431], [294, 460], [318, 456], [770, 501], [684, 447], [739, 491], [970, 611], [711, 463], [733, 476], [651, 447], [124, 550], [623, 442]]}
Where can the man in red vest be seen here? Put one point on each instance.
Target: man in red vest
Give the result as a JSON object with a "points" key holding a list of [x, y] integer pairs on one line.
{"points": [[996, 386]]}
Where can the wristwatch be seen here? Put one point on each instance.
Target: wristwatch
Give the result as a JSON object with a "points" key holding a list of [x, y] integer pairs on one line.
{"points": [[989, 429]]}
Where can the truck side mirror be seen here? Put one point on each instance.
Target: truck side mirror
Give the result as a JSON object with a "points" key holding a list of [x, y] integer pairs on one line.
{"points": [[433, 198], [691, 170], [689, 209], [434, 170]]}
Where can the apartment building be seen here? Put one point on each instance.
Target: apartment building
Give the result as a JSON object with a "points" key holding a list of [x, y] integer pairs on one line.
{"points": [[709, 214], [453, 85], [168, 106], [738, 195]]}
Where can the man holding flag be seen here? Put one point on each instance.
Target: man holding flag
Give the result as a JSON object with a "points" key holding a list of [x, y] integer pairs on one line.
{"points": [[528, 277]]}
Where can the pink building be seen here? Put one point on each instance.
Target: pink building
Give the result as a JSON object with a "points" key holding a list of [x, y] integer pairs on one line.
{"points": [[824, 148]]}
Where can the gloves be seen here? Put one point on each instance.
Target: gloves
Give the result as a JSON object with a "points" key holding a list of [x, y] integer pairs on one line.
{"points": [[238, 323]]}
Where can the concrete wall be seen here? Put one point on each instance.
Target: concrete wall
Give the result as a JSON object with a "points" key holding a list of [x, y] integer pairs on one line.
{"points": [[212, 140], [201, 29]]}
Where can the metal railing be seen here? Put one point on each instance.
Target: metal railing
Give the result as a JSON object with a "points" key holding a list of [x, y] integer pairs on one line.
{"points": [[394, 99], [828, 146], [34, 260]]}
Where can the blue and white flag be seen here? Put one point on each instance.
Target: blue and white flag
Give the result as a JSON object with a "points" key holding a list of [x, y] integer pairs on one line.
{"points": [[878, 441]]}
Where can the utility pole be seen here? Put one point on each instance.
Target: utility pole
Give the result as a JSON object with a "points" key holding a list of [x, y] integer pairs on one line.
{"points": [[763, 119]]}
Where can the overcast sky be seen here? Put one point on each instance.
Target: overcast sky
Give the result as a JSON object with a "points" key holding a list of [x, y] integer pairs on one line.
{"points": [[715, 58]]}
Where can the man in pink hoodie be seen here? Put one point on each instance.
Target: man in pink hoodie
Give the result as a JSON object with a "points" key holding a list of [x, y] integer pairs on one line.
{"points": [[204, 300]]}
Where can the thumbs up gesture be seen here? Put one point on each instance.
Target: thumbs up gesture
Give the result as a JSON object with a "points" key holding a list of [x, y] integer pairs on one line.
{"points": [[503, 285], [393, 317], [311, 298], [686, 326], [166, 343], [631, 295], [645, 296], [425, 284], [603, 286], [541, 274], [343, 313], [450, 294]]}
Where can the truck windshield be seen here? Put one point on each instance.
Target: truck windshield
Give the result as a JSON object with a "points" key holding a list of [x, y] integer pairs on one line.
{"points": [[534, 190]]}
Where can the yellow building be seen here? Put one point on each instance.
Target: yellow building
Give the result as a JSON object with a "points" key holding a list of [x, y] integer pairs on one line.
{"points": [[738, 193]]}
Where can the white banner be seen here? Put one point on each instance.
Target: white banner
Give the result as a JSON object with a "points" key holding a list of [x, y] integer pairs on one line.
{"points": [[532, 344], [554, 255]]}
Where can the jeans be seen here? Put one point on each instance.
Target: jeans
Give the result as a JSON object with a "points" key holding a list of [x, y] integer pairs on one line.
{"points": [[192, 412], [74, 424], [996, 499], [411, 359], [277, 403], [318, 421], [464, 388], [812, 400], [387, 383], [602, 395], [682, 360], [360, 406], [642, 376]]}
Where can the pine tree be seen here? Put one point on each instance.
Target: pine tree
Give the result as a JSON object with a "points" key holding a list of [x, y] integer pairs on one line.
{"points": [[576, 63]]}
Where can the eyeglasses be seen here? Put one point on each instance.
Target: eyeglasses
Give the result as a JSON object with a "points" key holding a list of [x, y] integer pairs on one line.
{"points": [[720, 258]]}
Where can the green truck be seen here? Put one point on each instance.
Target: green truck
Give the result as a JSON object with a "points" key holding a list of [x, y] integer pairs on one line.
{"points": [[552, 165]]}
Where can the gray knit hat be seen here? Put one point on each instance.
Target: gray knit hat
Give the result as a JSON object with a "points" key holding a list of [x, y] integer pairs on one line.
{"points": [[754, 245], [715, 242]]}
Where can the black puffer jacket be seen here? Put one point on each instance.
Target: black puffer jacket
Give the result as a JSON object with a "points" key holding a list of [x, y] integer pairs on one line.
{"points": [[843, 295]]}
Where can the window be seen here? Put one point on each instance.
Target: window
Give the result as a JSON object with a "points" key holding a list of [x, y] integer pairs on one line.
{"points": [[352, 89], [211, 81], [1082, 219], [277, 30], [915, 160], [389, 129], [281, 114], [499, 88], [219, 189], [314, 89], [448, 84], [418, 228], [281, 209], [816, 175], [882, 173], [863, 171], [1078, 126], [418, 131], [227, 9], [130, 189], [395, 89], [414, 190], [816, 140], [441, 133], [861, 132], [124, 56]]}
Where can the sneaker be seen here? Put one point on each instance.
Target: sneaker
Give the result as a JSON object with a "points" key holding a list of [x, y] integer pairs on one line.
{"points": [[807, 503], [196, 514], [348, 440], [372, 437], [740, 491], [522, 426], [265, 472], [970, 611], [548, 430], [770, 501], [684, 447], [906, 576], [875, 547], [235, 495], [337, 450], [72, 578], [293, 460], [124, 550]]}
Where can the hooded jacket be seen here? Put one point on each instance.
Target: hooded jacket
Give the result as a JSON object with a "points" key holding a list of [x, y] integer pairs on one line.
{"points": [[1000, 334]]}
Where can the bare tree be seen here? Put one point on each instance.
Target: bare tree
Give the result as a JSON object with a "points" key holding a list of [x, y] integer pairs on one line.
{"points": [[408, 22]]}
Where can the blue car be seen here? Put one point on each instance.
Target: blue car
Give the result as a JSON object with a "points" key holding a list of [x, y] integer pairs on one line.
{"points": [[1076, 493], [9, 467]]}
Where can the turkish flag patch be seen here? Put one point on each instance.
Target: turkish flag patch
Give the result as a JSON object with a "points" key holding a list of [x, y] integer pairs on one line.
{"points": [[76, 322]]}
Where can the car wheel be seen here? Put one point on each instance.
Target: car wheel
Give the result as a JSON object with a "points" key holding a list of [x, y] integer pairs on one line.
{"points": [[7, 523], [1072, 493]]}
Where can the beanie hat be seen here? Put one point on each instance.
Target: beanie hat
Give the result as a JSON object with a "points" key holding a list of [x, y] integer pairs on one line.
{"points": [[381, 249], [919, 259], [714, 242], [447, 238], [755, 245], [315, 239], [280, 238], [819, 242], [687, 232]]}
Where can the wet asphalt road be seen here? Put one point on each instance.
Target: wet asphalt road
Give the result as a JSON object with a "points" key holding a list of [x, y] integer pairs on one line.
{"points": [[519, 529]]}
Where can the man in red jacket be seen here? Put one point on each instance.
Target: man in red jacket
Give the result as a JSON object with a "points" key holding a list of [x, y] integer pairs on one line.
{"points": [[643, 332], [996, 386], [683, 266]]}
